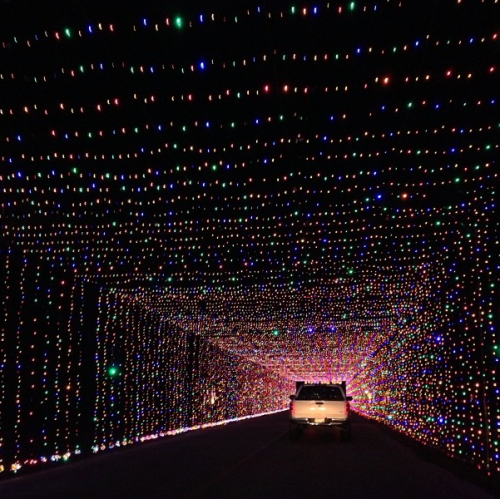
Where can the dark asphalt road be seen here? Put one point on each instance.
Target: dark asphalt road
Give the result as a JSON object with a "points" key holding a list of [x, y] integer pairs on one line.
{"points": [[252, 459]]}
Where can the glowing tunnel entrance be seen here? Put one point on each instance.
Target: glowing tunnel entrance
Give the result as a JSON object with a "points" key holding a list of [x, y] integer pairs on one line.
{"points": [[204, 356]]}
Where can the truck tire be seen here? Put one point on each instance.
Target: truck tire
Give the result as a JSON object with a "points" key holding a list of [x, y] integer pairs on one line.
{"points": [[295, 431], [345, 433]]}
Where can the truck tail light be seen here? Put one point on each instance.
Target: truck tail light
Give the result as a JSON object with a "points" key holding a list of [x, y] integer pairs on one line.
{"points": [[292, 407], [347, 408]]}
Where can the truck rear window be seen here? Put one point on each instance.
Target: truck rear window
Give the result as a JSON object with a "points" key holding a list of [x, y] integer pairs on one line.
{"points": [[312, 392]]}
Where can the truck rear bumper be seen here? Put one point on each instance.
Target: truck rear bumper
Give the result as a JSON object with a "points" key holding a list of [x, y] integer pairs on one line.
{"points": [[317, 422]]}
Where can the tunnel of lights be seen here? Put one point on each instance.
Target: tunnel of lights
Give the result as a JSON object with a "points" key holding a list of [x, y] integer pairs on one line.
{"points": [[202, 205]]}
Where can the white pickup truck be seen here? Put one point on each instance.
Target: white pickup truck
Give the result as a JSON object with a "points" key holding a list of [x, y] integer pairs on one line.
{"points": [[320, 404]]}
